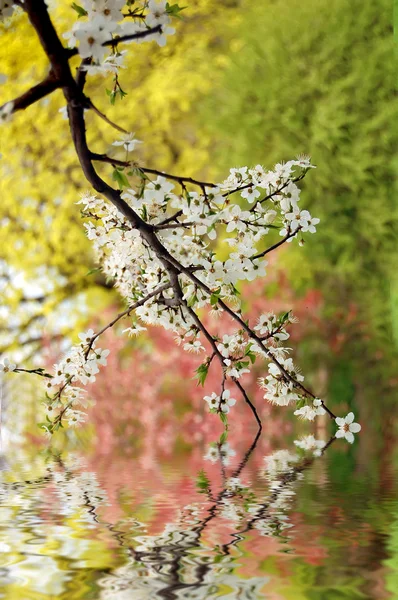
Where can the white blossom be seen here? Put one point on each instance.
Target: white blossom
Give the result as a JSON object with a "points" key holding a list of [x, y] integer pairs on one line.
{"points": [[6, 366], [6, 112], [347, 427], [128, 141], [310, 412]]}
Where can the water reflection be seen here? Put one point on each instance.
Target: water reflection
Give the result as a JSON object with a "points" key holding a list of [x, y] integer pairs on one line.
{"points": [[245, 525]]}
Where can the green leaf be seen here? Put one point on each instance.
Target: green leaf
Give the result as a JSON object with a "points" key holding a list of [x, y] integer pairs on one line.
{"points": [[201, 373], [301, 403], [202, 482], [92, 271], [47, 428], [79, 9], [242, 364], [192, 300], [120, 179], [215, 296], [224, 419], [112, 96], [284, 317], [174, 10], [223, 438], [121, 92], [252, 357]]}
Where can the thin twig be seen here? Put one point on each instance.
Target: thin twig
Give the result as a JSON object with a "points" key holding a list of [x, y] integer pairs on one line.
{"points": [[126, 163], [249, 402], [36, 93], [70, 52], [105, 118], [282, 241], [125, 313], [39, 372]]}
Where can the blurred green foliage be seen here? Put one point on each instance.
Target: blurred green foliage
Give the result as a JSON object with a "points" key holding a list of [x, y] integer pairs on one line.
{"points": [[318, 78]]}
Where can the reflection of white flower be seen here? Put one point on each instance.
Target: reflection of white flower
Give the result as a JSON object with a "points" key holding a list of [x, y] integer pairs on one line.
{"points": [[310, 443], [223, 452], [212, 454], [279, 462], [347, 428], [226, 452]]}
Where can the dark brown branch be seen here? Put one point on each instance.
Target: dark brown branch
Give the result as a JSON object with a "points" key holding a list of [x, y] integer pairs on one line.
{"points": [[249, 402], [76, 101], [105, 118], [282, 241], [123, 38], [33, 371], [169, 225], [170, 219], [126, 163], [125, 313], [278, 190], [37, 92], [251, 334], [81, 75]]}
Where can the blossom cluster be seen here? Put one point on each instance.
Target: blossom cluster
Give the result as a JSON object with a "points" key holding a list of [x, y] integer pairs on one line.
{"points": [[187, 224], [104, 22], [64, 395], [163, 250]]}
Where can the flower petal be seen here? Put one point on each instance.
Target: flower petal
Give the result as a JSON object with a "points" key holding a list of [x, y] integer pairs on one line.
{"points": [[340, 422], [355, 427], [349, 437], [340, 433], [350, 417]]}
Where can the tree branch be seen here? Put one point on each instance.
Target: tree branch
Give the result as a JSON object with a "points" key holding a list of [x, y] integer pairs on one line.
{"points": [[126, 312], [126, 163], [105, 118], [123, 38], [282, 241], [37, 92], [249, 402]]}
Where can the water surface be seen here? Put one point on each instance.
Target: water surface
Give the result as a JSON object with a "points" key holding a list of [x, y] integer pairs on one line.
{"points": [[245, 518]]}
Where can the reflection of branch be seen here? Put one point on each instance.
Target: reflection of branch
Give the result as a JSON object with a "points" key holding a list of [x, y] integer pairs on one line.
{"points": [[177, 551], [289, 477], [165, 557]]}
